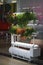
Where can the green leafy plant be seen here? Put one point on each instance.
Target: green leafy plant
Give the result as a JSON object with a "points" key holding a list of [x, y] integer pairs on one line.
{"points": [[13, 29], [28, 31], [24, 19]]}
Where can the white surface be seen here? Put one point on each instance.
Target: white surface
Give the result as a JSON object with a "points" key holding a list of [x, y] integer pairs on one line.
{"points": [[33, 52], [25, 45], [20, 52]]}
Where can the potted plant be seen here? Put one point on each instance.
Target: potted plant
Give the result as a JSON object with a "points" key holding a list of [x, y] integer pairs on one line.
{"points": [[25, 18], [22, 21]]}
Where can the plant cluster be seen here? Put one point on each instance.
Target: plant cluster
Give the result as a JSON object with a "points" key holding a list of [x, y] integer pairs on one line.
{"points": [[22, 31], [22, 19]]}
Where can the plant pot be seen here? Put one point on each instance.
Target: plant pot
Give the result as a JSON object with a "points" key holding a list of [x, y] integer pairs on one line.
{"points": [[20, 31]]}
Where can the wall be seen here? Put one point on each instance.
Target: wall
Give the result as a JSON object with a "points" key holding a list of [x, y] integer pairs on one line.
{"points": [[36, 5]]}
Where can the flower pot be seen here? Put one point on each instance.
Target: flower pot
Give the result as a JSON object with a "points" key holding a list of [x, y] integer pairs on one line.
{"points": [[20, 31]]}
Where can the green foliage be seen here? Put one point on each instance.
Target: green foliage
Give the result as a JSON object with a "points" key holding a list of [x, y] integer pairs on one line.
{"points": [[13, 29], [24, 18], [22, 21], [28, 31]]}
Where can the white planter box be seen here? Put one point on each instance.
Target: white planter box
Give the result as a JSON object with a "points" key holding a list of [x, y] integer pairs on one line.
{"points": [[24, 50]]}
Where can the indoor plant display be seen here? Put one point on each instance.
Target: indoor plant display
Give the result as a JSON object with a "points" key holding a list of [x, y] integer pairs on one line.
{"points": [[22, 21]]}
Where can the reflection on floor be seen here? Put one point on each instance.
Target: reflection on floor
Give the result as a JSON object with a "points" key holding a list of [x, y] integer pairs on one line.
{"points": [[10, 61]]}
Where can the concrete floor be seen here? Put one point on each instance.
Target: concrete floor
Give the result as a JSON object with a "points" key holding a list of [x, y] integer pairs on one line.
{"points": [[10, 61]]}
